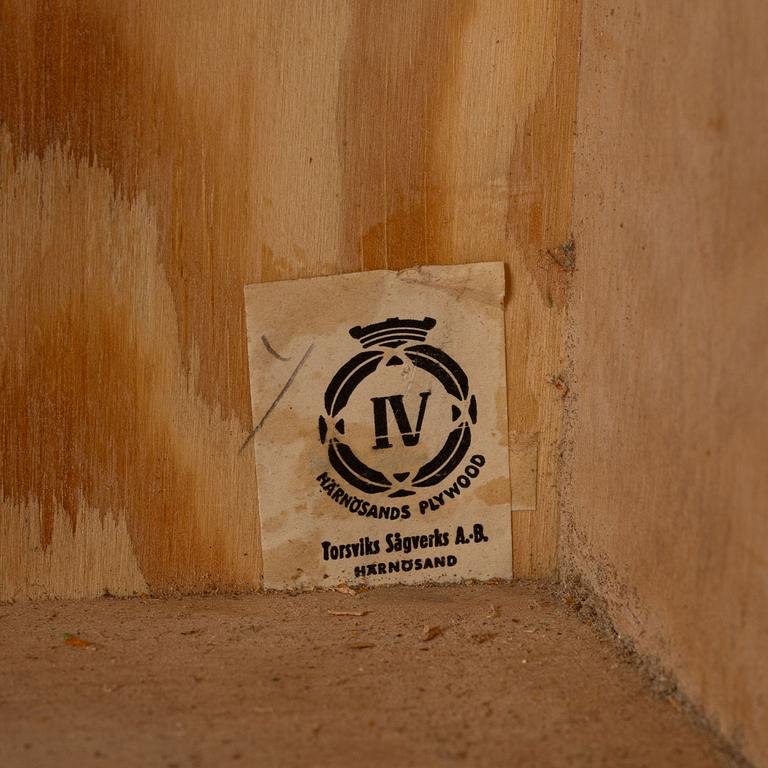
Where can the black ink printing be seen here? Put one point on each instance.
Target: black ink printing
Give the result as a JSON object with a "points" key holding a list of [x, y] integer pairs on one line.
{"points": [[390, 343]]}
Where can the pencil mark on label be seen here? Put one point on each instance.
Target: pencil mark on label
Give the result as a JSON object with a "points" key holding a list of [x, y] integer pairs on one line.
{"points": [[271, 349], [398, 414], [278, 398]]}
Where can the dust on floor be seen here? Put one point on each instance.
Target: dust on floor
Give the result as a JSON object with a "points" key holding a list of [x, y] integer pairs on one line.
{"points": [[474, 675]]}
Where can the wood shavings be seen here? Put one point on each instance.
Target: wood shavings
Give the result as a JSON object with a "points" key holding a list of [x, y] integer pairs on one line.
{"points": [[345, 590], [430, 633], [73, 641]]}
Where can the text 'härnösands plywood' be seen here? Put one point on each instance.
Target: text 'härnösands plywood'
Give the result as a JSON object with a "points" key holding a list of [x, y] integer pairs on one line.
{"points": [[379, 401]]}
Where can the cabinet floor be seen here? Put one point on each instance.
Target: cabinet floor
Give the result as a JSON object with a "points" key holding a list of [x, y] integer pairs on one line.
{"points": [[470, 675]]}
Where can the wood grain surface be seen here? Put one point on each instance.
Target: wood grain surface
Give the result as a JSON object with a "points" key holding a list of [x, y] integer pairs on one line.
{"points": [[666, 511], [157, 157]]}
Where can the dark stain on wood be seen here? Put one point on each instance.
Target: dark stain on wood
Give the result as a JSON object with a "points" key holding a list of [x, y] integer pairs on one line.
{"points": [[397, 74]]}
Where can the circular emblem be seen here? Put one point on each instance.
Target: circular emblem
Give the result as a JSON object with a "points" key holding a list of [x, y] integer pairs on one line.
{"points": [[399, 414]]}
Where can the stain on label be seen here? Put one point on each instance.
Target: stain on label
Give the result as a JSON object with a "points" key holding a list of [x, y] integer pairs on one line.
{"points": [[380, 426]]}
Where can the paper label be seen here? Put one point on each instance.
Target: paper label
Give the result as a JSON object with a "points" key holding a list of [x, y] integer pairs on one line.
{"points": [[379, 402]]}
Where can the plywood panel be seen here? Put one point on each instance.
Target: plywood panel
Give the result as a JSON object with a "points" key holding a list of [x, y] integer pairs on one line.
{"points": [[666, 512], [157, 157]]}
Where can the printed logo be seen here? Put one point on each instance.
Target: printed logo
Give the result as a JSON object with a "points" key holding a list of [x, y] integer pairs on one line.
{"points": [[399, 414]]}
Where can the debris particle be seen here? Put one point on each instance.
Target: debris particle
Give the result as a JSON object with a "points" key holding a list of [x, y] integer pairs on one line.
{"points": [[494, 613], [573, 602], [561, 385], [360, 646], [430, 633], [564, 255], [348, 613], [78, 642], [345, 590]]}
